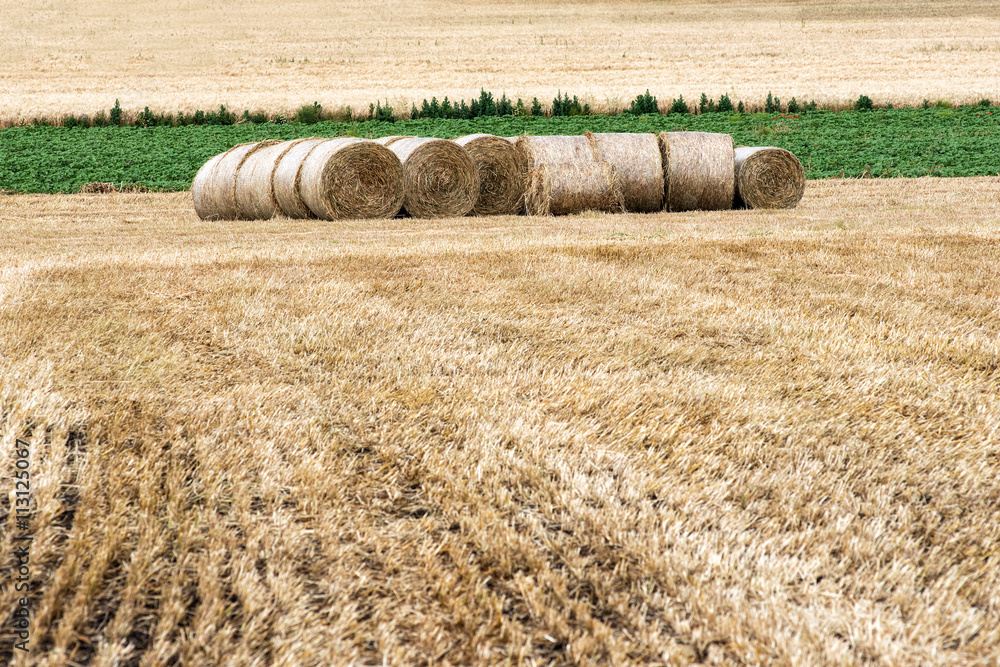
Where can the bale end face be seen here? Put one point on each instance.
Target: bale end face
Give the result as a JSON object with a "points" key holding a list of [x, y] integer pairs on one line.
{"points": [[502, 175], [768, 177], [439, 178], [201, 189], [352, 178]]}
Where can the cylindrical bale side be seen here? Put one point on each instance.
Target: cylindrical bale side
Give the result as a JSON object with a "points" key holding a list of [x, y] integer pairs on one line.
{"points": [[439, 177], [285, 179], [221, 187], [352, 178], [254, 184], [388, 141], [567, 188], [538, 151], [639, 164], [698, 171], [502, 176], [201, 188], [768, 177]]}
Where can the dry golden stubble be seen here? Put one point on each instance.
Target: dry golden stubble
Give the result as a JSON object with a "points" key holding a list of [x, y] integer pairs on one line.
{"points": [[287, 176], [566, 188], [502, 175], [731, 436], [439, 177], [768, 177], [639, 165], [699, 171], [352, 178]]}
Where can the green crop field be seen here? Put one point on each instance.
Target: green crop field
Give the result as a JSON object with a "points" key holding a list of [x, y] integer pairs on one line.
{"points": [[882, 143]]}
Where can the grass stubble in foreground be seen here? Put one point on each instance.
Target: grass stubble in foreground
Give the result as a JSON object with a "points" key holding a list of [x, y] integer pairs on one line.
{"points": [[738, 436]]}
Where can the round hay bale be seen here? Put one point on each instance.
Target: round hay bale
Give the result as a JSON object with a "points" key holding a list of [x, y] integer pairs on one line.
{"points": [[254, 185], [351, 178], [215, 198], [388, 141], [538, 151], [502, 175], [439, 177], [637, 160], [285, 179], [768, 177], [202, 189], [566, 188], [698, 171]]}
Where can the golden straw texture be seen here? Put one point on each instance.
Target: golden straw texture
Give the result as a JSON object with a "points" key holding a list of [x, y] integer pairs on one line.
{"points": [[699, 171], [254, 187], [222, 190], [351, 178], [639, 164], [285, 179], [502, 175], [439, 177], [768, 177], [540, 151], [201, 188], [566, 188]]}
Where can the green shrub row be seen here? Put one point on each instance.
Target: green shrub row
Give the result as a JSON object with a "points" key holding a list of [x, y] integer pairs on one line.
{"points": [[486, 105], [938, 141]]}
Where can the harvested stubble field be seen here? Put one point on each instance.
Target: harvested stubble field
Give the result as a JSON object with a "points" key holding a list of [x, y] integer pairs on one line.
{"points": [[739, 436], [66, 57]]}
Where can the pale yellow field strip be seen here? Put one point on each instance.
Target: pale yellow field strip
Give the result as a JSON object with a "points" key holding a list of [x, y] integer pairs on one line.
{"points": [[66, 57]]}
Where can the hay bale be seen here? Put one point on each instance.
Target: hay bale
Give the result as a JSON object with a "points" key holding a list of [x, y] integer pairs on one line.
{"points": [[566, 188], [768, 177], [639, 164], [698, 171], [538, 151], [388, 141], [201, 188], [215, 196], [502, 174], [254, 185], [439, 177], [285, 179], [351, 178]]}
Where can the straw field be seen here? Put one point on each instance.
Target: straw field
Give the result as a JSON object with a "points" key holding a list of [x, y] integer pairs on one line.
{"points": [[734, 436], [71, 58]]}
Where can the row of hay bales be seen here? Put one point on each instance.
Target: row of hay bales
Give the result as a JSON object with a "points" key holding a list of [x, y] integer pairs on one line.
{"points": [[482, 174], [671, 171]]}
